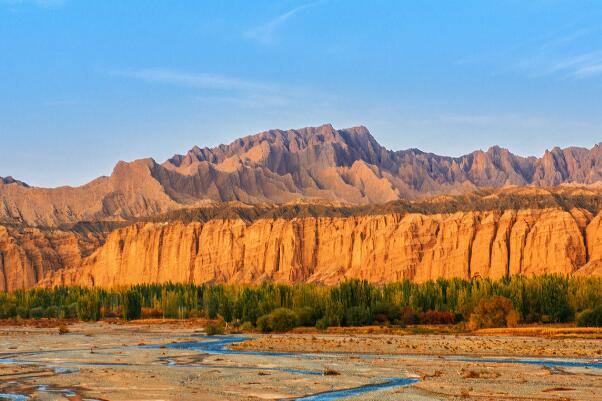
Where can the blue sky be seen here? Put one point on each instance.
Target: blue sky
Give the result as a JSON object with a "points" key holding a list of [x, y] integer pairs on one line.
{"points": [[86, 83]]}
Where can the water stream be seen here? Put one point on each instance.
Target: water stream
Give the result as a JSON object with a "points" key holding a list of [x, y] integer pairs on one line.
{"points": [[219, 346]]}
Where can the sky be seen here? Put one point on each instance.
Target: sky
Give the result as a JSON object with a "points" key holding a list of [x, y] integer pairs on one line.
{"points": [[84, 84]]}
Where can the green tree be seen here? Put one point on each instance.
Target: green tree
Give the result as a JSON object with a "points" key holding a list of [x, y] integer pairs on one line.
{"points": [[132, 305], [88, 306]]}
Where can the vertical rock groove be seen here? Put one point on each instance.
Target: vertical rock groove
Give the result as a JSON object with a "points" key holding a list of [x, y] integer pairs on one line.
{"points": [[378, 248]]}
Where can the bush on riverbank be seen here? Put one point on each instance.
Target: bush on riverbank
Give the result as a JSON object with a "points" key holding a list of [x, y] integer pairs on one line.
{"points": [[247, 326], [493, 312], [280, 320], [214, 329], [590, 317]]}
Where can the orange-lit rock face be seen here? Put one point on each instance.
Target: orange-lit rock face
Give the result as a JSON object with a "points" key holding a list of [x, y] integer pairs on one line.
{"points": [[378, 248], [27, 255]]}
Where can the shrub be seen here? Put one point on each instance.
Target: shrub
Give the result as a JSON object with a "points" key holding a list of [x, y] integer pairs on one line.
{"points": [[512, 319], [247, 326], [22, 312], [408, 316], [280, 321], [111, 312], [437, 317], [214, 329], [386, 312], [322, 324], [53, 311], [7, 310], [263, 324], [590, 317], [496, 311], [305, 316], [283, 319], [358, 316], [331, 372], [69, 311], [37, 313]]}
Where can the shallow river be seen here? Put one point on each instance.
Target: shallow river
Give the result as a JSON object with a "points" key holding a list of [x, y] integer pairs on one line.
{"points": [[219, 346]]}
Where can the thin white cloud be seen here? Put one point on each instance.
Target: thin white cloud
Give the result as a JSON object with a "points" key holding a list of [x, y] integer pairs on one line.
{"points": [[568, 38], [265, 33], [194, 80], [570, 52], [226, 89], [589, 71], [247, 100], [580, 66], [574, 54], [573, 66]]}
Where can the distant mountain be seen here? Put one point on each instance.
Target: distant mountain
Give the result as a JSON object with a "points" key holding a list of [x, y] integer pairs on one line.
{"points": [[317, 163], [11, 180]]}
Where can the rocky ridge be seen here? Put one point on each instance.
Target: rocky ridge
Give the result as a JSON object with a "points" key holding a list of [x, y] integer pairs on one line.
{"points": [[318, 163]]}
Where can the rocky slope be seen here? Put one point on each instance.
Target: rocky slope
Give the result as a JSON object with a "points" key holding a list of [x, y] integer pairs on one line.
{"points": [[129, 191], [27, 255], [281, 166], [379, 248], [488, 234]]}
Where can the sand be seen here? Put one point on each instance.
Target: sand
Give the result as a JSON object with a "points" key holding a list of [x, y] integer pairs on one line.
{"points": [[104, 361]]}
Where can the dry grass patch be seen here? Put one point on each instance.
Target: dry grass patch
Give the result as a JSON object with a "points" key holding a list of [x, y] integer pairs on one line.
{"points": [[331, 372], [544, 331], [479, 374]]}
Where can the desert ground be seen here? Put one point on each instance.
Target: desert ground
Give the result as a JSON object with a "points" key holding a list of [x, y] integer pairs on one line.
{"points": [[176, 361]]}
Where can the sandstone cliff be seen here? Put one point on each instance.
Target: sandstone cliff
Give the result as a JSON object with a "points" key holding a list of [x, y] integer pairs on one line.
{"points": [[378, 248], [28, 254], [487, 233]]}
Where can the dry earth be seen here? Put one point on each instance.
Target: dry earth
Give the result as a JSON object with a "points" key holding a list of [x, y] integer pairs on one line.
{"points": [[102, 361], [473, 345]]}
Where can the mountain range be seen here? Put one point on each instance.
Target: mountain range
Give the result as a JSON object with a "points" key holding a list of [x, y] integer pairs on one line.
{"points": [[309, 205], [276, 166]]}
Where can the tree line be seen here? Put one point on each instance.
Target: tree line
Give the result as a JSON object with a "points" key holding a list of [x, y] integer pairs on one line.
{"points": [[537, 299]]}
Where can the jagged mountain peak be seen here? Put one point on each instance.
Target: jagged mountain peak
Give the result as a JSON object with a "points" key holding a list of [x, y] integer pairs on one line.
{"points": [[280, 166], [293, 140]]}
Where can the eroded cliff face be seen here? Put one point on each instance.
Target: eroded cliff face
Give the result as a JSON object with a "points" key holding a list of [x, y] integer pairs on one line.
{"points": [[378, 248], [29, 254]]}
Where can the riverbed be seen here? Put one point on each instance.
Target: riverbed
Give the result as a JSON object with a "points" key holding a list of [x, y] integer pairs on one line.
{"points": [[104, 361]]}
